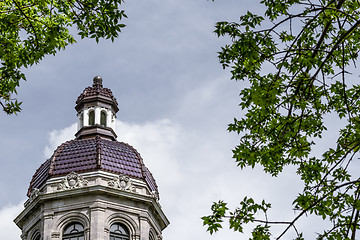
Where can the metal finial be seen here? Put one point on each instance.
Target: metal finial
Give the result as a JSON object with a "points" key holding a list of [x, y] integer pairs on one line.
{"points": [[97, 81]]}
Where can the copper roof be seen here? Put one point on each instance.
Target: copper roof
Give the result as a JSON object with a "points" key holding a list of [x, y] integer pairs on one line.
{"points": [[86, 155]]}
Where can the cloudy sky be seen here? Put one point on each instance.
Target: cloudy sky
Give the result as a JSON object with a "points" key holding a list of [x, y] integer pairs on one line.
{"points": [[175, 103]]}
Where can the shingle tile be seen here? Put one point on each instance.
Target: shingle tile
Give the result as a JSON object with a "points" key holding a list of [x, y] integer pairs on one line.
{"points": [[79, 155]]}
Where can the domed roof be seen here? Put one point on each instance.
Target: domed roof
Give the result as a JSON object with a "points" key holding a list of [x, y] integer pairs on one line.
{"points": [[86, 155], [97, 91], [94, 91], [95, 147]]}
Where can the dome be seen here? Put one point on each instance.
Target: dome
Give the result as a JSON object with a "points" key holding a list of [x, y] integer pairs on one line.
{"points": [[95, 147], [88, 155], [93, 182]]}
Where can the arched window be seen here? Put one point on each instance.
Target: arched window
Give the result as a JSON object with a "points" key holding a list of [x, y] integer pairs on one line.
{"points": [[36, 236], [103, 118], [119, 232], [151, 237], [91, 117], [73, 231]]}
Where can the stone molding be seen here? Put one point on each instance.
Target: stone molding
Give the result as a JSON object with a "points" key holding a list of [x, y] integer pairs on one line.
{"points": [[55, 235], [33, 195], [71, 181], [123, 183]]}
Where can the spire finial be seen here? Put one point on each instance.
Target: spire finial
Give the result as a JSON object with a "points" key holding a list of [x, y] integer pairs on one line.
{"points": [[97, 81]]}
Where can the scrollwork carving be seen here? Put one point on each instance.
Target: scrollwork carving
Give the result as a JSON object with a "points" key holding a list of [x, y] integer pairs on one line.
{"points": [[71, 181], [155, 195], [122, 182], [34, 193]]}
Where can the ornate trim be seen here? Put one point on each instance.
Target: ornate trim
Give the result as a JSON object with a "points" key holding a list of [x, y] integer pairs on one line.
{"points": [[155, 195], [55, 235], [71, 181], [122, 182], [34, 194]]}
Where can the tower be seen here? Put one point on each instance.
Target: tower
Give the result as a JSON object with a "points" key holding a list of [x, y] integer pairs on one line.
{"points": [[93, 187]]}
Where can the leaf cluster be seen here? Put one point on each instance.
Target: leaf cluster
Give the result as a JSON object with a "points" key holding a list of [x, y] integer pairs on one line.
{"points": [[32, 29], [299, 74]]}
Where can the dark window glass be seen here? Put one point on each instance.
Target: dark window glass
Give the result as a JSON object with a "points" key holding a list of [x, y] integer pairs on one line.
{"points": [[103, 119], [73, 231], [91, 118], [119, 232]]}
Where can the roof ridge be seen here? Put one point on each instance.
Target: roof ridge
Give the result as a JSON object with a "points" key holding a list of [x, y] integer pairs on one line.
{"points": [[34, 176], [98, 151], [144, 170]]}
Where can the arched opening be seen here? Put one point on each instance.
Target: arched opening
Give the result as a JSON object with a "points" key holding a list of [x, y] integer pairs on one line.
{"points": [[73, 231], [36, 236], [103, 118], [119, 232], [91, 117], [151, 237]]}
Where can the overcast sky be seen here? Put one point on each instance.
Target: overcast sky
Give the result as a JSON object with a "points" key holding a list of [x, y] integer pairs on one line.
{"points": [[175, 102]]}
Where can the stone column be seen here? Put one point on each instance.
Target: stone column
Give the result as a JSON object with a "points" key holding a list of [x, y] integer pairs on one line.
{"points": [[112, 125], [98, 218], [97, 115], [144, 228], [108, 118], [86, 117], [48, 232]]}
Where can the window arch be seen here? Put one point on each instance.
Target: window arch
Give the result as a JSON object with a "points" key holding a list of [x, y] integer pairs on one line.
{"points": [[91, 117], [151, 237], [36, 236], [119, 232], [73, 231], [103, 118]]}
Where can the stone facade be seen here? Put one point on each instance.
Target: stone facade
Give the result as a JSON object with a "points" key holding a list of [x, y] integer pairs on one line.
{"points": [[96, 200]]}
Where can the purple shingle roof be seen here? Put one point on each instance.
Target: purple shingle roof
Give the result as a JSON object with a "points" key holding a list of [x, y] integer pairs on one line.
{"points": [[96, 91], [86, 155]]}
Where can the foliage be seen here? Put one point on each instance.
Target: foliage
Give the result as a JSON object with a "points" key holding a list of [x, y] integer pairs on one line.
{"points": [[32, 29], [298, 59]]}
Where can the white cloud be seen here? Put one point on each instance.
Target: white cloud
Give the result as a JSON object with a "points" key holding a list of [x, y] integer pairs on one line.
{"points": [[193, 167], [156, 142], [8, 229]]}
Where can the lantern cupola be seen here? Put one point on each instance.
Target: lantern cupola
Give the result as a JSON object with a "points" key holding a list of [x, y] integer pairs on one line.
{"points": [[96, 111]]}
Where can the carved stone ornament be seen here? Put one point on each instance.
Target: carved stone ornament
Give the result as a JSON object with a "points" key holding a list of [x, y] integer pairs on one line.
{"points": [[155, 195], [71, 181], [34, 193], [122, 182], [55, 235]]}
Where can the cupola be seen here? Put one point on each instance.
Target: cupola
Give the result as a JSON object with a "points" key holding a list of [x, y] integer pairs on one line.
{"points": [[96, 111]]}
